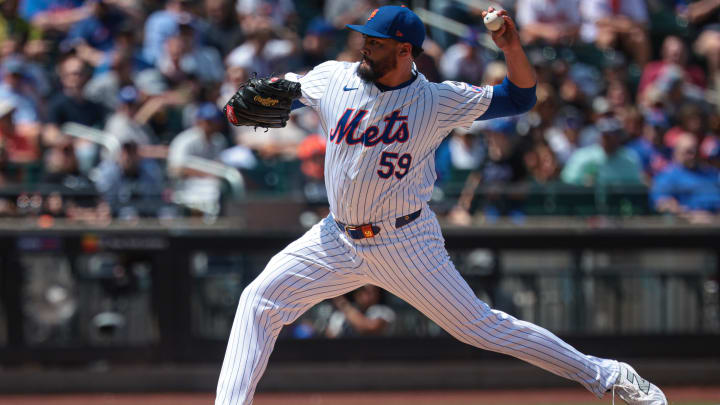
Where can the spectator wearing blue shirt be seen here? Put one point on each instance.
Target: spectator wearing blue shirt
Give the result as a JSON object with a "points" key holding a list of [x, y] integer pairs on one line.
{"points": [[687, 188], [98, 30], [184, 60], [130, 184], [15, 89], [163, 24], [654, 155], [124, 51], [53, 15]]}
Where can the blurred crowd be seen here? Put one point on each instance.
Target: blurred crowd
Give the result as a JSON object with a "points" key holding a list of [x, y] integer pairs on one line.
{"points": [[362, 312], [627, 92]]}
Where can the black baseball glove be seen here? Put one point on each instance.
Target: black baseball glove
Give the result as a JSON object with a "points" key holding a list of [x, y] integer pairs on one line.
{"points": [[262, 103]]}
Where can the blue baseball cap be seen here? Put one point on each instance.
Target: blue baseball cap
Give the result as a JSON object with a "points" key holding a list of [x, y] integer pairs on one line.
{"points": [[209, 112], [396, 22], [609, 126], [128, 95], [318, 26]]}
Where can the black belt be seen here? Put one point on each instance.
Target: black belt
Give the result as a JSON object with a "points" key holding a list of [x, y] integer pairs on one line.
{"points": [[370, 230]]}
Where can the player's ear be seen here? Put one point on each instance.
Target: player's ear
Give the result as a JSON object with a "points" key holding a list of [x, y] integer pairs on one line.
{"points": [[405, 49]]}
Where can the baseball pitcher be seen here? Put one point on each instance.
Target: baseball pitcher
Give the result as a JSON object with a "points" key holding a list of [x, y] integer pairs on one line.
{"points": [[383, 121]]}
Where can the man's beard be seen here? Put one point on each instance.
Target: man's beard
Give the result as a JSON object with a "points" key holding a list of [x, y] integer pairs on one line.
{"points": [[375, 70]]}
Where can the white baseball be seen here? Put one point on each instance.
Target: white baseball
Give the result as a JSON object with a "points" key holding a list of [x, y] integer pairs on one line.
{"points": [[493, 21]]}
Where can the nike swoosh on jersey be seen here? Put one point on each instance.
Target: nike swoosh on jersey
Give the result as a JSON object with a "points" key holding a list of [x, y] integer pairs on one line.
{"points": [[348, 89]]}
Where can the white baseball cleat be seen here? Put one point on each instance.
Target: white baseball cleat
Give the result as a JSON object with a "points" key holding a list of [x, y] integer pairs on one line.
{"points": [[635, 390]]}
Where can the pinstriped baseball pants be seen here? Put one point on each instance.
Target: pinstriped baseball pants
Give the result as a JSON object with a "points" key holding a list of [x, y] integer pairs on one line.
{"points": [[410, 262]]}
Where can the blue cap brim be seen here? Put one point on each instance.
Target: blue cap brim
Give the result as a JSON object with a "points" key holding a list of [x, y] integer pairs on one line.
{"points": [[367, 31]]}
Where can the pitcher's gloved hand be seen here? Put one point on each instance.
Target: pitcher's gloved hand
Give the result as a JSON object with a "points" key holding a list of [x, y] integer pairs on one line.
{"points": [[262, 103]]}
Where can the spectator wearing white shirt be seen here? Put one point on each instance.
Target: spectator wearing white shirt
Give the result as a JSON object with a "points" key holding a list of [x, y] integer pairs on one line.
{"points": [[467, 149], [563, 137], [125, 125], [235, 76], [262, 52], [553, 22], [279, 11], [203, 140], [195, 189], [617, 24], [15, 87], [121, 123]]}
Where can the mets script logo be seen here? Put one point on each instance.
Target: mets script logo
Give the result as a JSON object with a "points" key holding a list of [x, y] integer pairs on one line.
{"points": [[347, 125], [266, 101], [372, 14]]}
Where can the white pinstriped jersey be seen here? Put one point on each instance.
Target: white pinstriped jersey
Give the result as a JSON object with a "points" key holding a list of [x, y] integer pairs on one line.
{"points": [[379, 166], [379, 162]]}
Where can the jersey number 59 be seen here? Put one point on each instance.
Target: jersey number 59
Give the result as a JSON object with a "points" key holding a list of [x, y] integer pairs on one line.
{"points": [[388, 161]]}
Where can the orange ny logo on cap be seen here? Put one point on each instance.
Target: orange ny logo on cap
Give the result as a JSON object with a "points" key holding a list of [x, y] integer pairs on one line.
{"points": [[372, 14], [398, 33]]}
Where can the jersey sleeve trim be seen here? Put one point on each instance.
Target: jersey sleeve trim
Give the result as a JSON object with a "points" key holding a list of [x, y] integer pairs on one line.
{"points": [[296, 104], [509, 99]]}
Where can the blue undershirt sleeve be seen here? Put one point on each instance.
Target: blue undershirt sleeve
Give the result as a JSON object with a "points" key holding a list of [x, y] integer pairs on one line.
{"points": [[296, 104], [509, 99]]}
